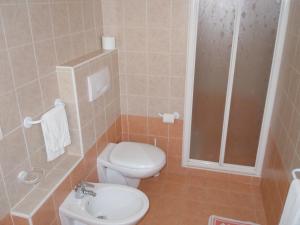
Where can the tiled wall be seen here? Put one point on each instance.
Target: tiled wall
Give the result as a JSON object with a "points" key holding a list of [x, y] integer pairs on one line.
{"points": [[151, 38], [94, 117], [283, 150], [35, 36], [85, 126], [86, 170]]}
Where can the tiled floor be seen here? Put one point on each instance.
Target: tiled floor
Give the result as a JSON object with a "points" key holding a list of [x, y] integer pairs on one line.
{"points": [[190, 199]]}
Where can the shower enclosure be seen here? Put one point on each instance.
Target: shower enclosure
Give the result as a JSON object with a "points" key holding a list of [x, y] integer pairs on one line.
{"points": [[231, 59]]}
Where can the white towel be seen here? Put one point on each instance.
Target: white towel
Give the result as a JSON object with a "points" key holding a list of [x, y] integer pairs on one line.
{"points": [[56, 131]]}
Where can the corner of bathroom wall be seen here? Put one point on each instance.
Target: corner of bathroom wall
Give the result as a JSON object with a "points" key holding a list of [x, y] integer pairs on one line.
{"points": [[151, 39], [97, 123], [35, 36], [282, 152]]}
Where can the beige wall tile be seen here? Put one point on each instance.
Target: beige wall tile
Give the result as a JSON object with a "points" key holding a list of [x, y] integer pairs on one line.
{"points": [[41, 21], [12, 151], [16, 24], [2, 38], [75, 147], [46, 57], [88, 14], [63, 48], [100, 124], [159, 13], [135, 39], [50, 91], [98, 17], [179, 40], [177, 87], [159, 40], [23, 64], [137, 85], [16, 190], [159, 87], [81, 74], [137, 105], [76, 16], [60, 18], [30, 100], [165, 23], [112, 12], [177, 105], [179, 13], [78, 44], [66, 89], [159, 64], [122, 62], [178, 65], [4, 205], [38, 159], [135, 13], [88, 135], [136, 63], [123, 84], [6, 79], [157, 105], [124, 104], [34, 138], [71, 110], [9, 112], [60, 31], [98, 105], [85, 112], [92, 40]]}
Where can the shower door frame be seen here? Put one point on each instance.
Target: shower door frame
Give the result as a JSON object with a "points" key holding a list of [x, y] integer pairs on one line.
{"points": [[269, 103]]}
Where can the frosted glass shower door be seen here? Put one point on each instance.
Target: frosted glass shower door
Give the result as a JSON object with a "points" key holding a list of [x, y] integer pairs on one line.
{"points": [[257, 35], [213, 49], [234, 52]]}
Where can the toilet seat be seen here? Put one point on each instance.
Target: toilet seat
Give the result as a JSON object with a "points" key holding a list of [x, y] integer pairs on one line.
{"points": [[137, 155]]}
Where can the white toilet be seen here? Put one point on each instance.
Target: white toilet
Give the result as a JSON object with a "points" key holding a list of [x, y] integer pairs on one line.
{"points": [[127, 162]]}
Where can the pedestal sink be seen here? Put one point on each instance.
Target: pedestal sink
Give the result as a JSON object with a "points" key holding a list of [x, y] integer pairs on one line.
{"points": [[113, 205]]}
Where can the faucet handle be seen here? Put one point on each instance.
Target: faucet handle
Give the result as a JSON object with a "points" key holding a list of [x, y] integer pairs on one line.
{"points": [[78, 187], [87, 184]]}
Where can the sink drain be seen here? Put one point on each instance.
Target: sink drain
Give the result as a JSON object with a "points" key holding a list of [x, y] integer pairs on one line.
{"points": [[102, 217]]}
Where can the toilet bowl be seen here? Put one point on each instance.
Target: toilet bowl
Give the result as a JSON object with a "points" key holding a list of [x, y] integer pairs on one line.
{"points": [[128, 162]]}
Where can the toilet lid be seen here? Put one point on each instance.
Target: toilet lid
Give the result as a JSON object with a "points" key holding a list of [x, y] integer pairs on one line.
{"points": [[136, 155]]}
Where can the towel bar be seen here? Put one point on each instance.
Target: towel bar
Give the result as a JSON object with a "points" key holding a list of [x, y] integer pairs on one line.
{"points": [[28, 121]]}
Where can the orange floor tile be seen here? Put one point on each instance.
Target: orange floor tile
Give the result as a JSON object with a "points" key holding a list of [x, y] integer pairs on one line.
{"points": [[191, 199]]}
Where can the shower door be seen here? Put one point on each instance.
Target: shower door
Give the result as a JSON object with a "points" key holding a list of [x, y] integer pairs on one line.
{"points": [[233, 58]]}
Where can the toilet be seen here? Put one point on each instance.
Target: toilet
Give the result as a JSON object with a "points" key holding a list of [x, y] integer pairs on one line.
{"points": [[128, 162]]}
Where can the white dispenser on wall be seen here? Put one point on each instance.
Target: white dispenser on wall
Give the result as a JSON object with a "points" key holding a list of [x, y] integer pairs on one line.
{"points": [[98, 83]]}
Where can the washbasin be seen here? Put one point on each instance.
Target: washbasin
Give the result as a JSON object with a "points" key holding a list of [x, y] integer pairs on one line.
{"points": [[113, 205]]}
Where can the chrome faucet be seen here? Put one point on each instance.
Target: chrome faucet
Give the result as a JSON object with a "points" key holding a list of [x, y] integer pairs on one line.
{"points": [[81, 191]]}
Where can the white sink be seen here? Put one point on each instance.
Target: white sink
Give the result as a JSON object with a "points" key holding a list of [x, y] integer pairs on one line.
{"points": [[113, 205]]}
